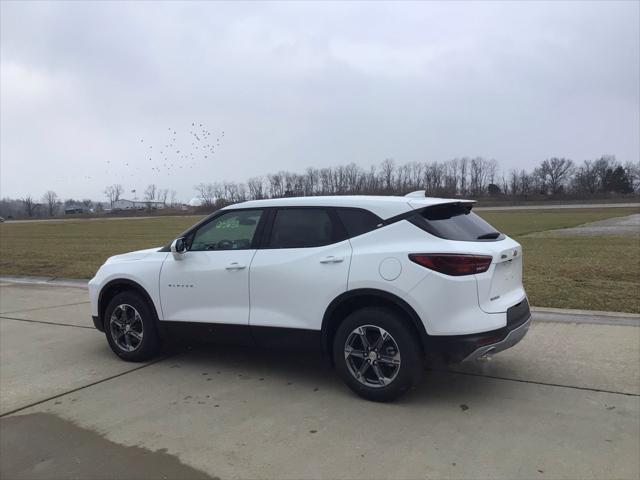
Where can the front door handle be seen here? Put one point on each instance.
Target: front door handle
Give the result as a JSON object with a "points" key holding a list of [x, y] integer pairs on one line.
{"points": [[235, 266], [332, 259]]}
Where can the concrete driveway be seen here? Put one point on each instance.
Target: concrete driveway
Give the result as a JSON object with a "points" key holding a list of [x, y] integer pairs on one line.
{"points": [[565, 403]]}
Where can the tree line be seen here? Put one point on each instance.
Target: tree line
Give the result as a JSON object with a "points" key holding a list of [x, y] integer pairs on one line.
{"points": [[475, 177]]}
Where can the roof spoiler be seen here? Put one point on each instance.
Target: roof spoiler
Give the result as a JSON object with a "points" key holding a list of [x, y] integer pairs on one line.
{"points": [[423, 194], [417, 209], [417, 194]]}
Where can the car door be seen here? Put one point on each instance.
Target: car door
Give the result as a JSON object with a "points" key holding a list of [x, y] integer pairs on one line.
{"points": [[301, 267], [209, 283]]}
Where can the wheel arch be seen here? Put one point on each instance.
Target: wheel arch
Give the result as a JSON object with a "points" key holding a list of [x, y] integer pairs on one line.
{"points": [[353, 300], [116, 286]]}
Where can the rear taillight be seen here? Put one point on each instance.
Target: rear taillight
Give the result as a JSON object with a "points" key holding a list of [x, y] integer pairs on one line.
{"points": [[451, 263]]}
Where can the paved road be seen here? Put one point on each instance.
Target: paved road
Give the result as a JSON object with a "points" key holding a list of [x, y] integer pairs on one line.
{"points": [[565, 403], [628, 225]]}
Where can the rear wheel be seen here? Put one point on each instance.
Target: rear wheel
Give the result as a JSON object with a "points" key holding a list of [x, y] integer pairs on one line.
{"points": [[377, 356], [129, 325]]}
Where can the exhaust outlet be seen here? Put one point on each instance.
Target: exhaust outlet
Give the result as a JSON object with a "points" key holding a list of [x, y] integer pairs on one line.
{"points": [[486, 356]]}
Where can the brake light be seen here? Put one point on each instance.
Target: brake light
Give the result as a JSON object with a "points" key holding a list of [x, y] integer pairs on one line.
{"points": [[451, 263]]}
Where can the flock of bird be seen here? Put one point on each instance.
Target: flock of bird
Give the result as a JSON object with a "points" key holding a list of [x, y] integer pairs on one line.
{"points": [[173, 156], [154, 161]]}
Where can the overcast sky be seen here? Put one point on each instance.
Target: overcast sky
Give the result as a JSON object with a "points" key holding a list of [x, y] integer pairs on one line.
{"points": [[88, 87]]}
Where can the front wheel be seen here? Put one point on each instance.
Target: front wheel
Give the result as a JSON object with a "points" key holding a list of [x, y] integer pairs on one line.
{"points": [[376, 355], [129, 325]]}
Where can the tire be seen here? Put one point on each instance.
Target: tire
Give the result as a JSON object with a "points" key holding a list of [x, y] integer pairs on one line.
{"points": [[382, 379], [137, 338]]}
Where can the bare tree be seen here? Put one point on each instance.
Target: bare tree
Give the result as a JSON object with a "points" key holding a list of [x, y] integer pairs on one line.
{"points": [[505, 184], [326, 181], [350, 176], [514, 183], [163, 193], [276, 184], [150, 194], [311, 181], [256, 188], [586, 179], [387, 168], [173, 198], [50, 198], [416, 175], [464, 168], [554, 173], [232, 192], [434, 174], [206, 193], [371, 182], [29, 205], [479, 171], [602, 165], [450, 186], [403, 178], [113, 192], [633, 171], [525, 183]]}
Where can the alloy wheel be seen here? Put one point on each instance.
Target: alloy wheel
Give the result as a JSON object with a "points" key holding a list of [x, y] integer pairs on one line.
{"points": [[126, 327], [372, 356]]}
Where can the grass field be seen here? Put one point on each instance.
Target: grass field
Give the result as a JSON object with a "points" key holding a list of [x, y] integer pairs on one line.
{"points": [[599, 273]]}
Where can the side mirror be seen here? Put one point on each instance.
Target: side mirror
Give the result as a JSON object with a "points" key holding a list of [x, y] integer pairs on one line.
{"points": [[178, 247]]}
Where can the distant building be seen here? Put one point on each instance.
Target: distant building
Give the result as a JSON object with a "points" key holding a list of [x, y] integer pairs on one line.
{"points": [[74, 209], [124, 204], [195, 202]]}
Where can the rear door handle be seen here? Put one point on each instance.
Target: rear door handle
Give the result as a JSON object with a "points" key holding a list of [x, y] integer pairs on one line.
{"points": [[235, 266], [332, 259]]}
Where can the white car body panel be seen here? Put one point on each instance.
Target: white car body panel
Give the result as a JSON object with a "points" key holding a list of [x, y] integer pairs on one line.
{"points": [[206, 287], [141, 267], [291, 286], [447, 305]]}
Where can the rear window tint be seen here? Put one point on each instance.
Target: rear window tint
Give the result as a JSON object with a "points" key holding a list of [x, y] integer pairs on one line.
{"points": [[455, 222], [356, 222]]}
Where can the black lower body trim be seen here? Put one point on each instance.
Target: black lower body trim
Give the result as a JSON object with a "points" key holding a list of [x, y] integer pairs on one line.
{"points": [[245, 335], [518, 314], [97, 323], [289, 338]]}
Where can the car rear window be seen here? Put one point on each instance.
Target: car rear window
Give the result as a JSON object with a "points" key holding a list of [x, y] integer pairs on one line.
{"points": [[356, 221], [455, 221]]}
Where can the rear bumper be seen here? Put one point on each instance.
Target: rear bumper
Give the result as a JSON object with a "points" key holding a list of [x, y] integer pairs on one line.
{"points": [[462, 348], [513, 337]]}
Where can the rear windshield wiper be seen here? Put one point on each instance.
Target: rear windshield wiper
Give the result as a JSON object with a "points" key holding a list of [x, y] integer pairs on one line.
{"points": [[489, 236]]}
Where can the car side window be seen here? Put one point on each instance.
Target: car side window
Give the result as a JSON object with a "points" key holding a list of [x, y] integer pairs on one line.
{"points": [[302, 228], [231, 231], [356, 221]]}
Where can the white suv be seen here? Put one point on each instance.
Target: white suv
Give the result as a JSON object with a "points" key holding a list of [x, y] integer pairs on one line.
{"points": [[377, 283]]}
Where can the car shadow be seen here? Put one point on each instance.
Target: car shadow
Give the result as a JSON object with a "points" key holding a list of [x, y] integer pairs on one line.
{"points": [[313, 370]]}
